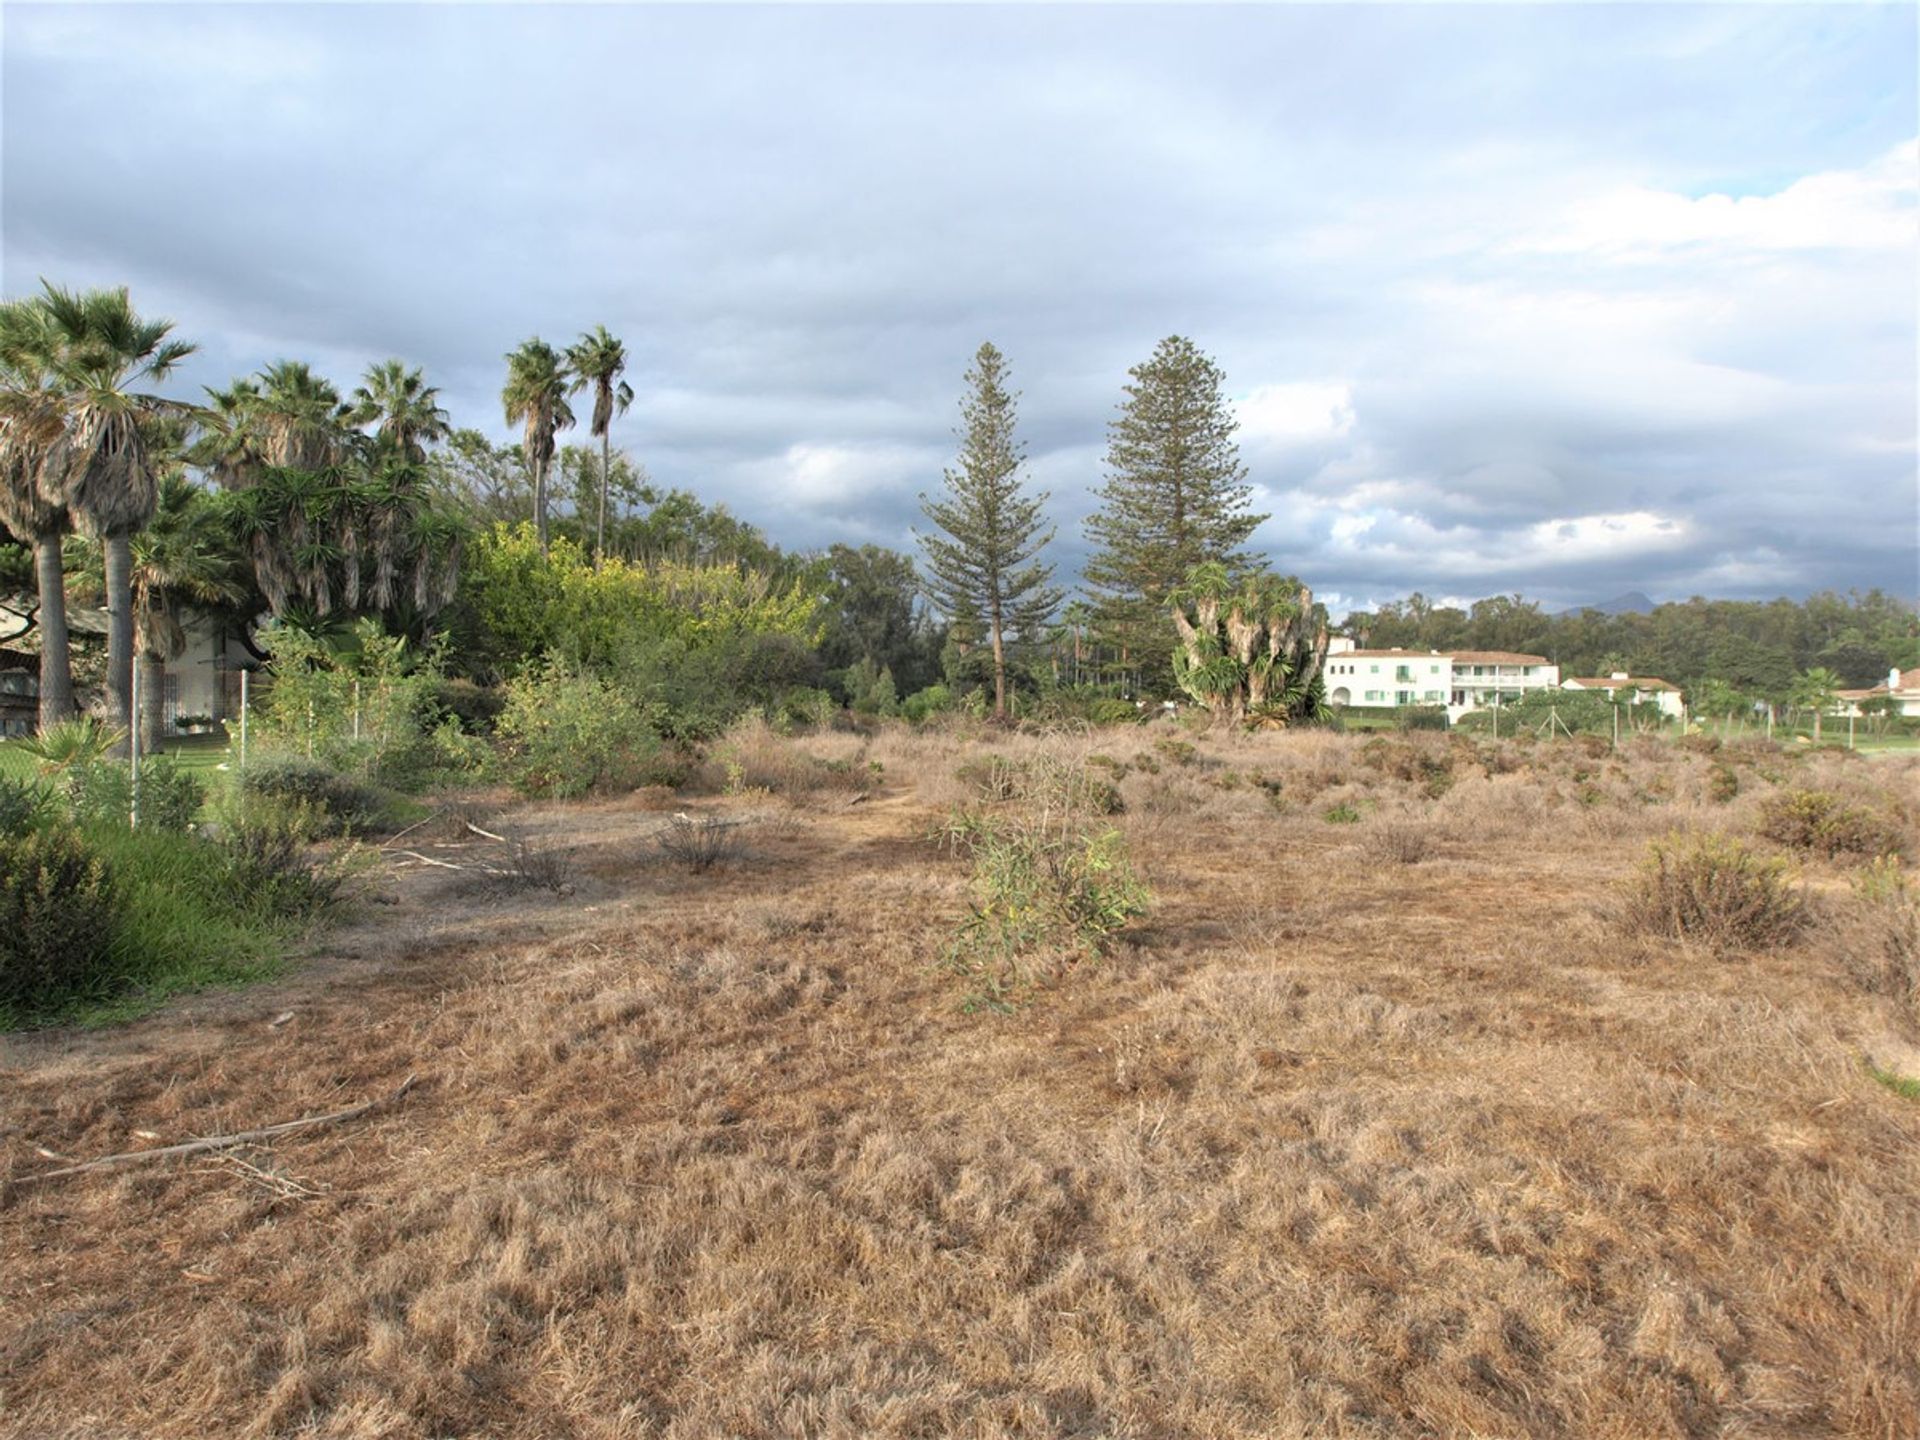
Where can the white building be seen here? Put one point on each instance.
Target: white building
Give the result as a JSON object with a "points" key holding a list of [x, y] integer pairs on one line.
{"points": [[1902, 689], [1460, 680], [203, 683], [1646, 689]]}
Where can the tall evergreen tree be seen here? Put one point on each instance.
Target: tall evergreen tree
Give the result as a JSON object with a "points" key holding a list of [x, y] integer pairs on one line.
{"points": [[984, 560], [1176, 496]]}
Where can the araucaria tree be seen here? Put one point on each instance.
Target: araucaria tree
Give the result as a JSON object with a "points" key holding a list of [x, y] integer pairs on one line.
{"points": [[983, 560], [1250, 649], [597, 360], [535, 398], [1176, 494]]}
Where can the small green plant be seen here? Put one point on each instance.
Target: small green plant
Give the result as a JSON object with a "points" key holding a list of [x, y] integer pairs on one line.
{"points": [[1715, 890], [1048, 893], [1176, 752], [57, 911], [1905, 1086], [1342, 814], [100, 792], [24, 805], [1723, 782], [71, 743], [335, 803]]}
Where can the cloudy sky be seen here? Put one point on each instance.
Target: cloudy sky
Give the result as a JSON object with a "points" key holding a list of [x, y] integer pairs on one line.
{"points": [[1569, 300]]}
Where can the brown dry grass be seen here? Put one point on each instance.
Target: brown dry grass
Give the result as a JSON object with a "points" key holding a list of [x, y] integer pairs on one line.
{"points": [[1334, 1145]]}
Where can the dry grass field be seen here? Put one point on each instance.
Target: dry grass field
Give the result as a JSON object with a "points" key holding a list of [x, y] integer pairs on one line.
{"points": [[1382, 1126]]}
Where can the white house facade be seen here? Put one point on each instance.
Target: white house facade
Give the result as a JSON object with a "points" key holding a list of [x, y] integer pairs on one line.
{"points": [[1460, 680], [1903, 690], [1646, 689]]}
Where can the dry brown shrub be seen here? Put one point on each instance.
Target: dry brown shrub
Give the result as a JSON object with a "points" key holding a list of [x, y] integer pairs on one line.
{"points": [[1399, 842], [1712, 889]]}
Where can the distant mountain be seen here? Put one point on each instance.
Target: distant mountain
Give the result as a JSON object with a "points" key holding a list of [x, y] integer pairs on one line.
{"points": [[1631, 603]]}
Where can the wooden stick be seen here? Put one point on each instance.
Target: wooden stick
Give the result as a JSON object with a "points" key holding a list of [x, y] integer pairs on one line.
{"points": [[222, 1142], [487, 833]]}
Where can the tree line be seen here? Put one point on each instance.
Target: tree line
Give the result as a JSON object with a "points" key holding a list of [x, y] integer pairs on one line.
{"points": [[281, 495]]}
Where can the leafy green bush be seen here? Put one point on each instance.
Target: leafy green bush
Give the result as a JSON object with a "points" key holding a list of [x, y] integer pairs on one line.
{"points": [[101, 793], [1048, 892], [922, 704], [271, 867], [1420, 717], [1820, 822], [24, 805], [365, 705], [1715, 890], [57, 912], [338, 804], [570, 732]]}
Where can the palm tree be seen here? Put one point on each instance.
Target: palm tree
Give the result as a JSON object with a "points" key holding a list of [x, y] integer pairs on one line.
{"points": [[183, 557], [30, 423], [535, 397], [285, 417], [97, 348], [598, 359], [403, 409], [1818, 688]]}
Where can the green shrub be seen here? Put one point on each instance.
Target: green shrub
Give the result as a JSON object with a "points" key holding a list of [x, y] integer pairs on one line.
{"points": [[1342, 814], [1723, 783], [101, 793], [1819, 822], [1714, 889], [338, 804], [1420, 717], [571, 733], [271, 867], [24, 805], [1176, 752], [1047, 893], [57, 913], [919, 706]]}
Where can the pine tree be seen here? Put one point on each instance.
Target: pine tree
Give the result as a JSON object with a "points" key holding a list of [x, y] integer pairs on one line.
{"points": [[1176, 496], [984, 560]]}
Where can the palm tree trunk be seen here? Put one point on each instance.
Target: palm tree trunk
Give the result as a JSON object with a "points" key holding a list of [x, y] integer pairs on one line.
{"points": [[606, 460], [153, 679], [540, 504], [119, 566], [56, 656]]}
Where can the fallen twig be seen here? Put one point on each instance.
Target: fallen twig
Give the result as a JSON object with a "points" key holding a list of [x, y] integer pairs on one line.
{"points": [[222, 1142], [488, 833]]}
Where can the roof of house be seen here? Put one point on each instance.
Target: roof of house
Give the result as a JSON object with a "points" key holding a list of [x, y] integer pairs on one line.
{"points": [[1471, 657], [1623, 682], [1495, 657]]}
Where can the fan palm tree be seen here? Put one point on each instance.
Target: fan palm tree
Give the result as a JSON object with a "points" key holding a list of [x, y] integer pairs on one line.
{"points": [[96, 349], [184, 557], [286, 417], [30, 423], [402, 408], [535, 398], [598, 360]]}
